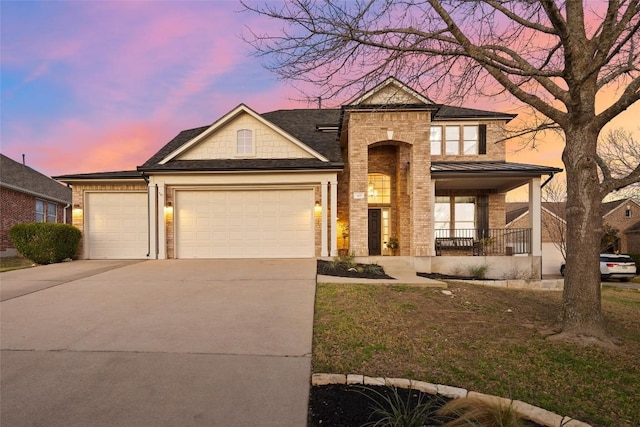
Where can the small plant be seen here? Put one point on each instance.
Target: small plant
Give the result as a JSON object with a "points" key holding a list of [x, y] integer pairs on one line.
{"points": [[478, 271], [373, 269], [480, 413], [393, 244], [347, 260], [45, 242], [394, 411]]}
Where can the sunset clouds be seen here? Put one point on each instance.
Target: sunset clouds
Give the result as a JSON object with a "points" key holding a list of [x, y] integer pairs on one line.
{"points": [[101, 85]]}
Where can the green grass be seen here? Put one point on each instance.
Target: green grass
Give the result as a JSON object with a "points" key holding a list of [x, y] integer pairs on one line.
{"points": [[14, 263], [472, 340]]}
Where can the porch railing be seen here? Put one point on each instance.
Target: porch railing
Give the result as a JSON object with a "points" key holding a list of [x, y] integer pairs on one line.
{"points": [[475, 241]]}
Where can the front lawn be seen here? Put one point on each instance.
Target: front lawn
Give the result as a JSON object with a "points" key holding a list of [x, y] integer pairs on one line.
{"points": [[14, 263], [483, 339]]}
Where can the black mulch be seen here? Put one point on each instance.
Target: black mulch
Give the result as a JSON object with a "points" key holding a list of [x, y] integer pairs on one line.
{"points": [[340, 405], [438, 276], [360, 271]]}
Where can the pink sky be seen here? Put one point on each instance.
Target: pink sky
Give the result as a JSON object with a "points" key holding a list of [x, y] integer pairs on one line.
{"points": [[99, 86]]}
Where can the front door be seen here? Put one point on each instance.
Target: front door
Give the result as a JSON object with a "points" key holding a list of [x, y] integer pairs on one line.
{"points": [[375, 222]]}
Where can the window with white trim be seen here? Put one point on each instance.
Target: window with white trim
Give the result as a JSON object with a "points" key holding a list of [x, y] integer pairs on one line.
{"points": [[40, 211], [244, 142], [458, 139], [454, 216], [435, 136]]}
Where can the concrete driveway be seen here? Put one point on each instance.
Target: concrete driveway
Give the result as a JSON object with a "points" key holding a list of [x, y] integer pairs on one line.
{"points": [[160, 343]]}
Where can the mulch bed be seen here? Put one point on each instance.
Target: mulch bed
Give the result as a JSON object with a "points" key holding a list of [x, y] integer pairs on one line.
{"points": [[439, 276], [339, 405], [328, 268]]}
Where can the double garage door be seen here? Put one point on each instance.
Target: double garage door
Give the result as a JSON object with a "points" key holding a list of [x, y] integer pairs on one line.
{"points": [[274, 223], [207, 224]]}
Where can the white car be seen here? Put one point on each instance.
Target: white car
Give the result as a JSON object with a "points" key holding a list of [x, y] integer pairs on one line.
{"points": [[614, 266]]}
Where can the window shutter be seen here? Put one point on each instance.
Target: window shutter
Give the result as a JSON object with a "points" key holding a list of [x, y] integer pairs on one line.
{"points": [[482, 139], [483, 216]]}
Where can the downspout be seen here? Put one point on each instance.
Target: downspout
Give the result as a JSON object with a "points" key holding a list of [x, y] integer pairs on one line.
{"points": [[157, 224], [146, 179], [64, 213], [551, 174]]}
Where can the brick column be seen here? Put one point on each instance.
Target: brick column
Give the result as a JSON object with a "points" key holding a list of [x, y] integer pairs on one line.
{"points": [[421, 190], [358, 208]]}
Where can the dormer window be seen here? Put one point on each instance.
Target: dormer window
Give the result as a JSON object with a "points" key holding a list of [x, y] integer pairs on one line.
{"points": [[244, 143]]}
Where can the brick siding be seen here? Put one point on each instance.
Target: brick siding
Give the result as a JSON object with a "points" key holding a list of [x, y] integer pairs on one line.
{"points": [[19, 208]]}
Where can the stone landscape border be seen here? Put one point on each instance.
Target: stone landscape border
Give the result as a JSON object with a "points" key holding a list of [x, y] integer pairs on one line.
{"points": [[525, 410]]}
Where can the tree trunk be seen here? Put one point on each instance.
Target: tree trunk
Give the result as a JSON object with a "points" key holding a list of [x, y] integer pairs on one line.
{"points": [[582, 319]]}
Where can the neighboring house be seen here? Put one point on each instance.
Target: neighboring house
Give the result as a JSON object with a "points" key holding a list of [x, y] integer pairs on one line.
{"points": [[623, 215], [26, 195], [308, 182]]}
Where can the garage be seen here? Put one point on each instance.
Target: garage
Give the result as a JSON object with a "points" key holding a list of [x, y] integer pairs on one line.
{"points": [[117, 225], [268, 223]]}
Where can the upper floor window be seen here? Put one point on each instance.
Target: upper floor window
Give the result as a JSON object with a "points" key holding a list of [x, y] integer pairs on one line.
{"points": [[244, 142], [379, 188], [458, 139], [627, 211], [40, 211]]}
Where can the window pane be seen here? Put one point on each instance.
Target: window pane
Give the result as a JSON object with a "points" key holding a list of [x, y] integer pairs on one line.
{"points": [[470, 140], [465, 210], [245, 141], [436, 140], [39, 211], [51, 212], [452, 134], [379, 188]]}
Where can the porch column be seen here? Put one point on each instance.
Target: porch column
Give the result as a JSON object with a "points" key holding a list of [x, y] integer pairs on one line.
{"points": [[535, 217], [334, 218], [431, 229], [323, 227], [151, 224], [162, 222]]}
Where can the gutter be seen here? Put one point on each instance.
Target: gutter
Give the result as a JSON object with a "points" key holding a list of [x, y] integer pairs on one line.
{"points": [[551, 174], [33, 193]]}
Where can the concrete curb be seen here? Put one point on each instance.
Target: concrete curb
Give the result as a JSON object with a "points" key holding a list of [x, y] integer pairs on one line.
{"points": [[525, 410]]}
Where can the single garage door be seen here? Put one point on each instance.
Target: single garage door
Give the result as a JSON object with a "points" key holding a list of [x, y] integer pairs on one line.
{"points": [[117, 225], [244, 224]]}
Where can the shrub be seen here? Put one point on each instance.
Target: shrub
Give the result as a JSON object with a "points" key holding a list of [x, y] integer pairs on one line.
{"points": [[469, 412], [45, 242], [394, 411], [347, 260], [478, 271]]}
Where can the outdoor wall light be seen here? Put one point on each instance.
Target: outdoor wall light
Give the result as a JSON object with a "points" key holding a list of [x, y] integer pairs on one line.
{"points": [[168, 209], [318, 207]]}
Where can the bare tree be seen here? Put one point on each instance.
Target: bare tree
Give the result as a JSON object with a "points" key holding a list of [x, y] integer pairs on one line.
{"points": [[555, 56], [554, 196], [619, 156]]}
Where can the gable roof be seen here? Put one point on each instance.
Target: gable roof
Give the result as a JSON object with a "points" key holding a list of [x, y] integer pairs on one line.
{"points": [[400, 88], [608, 207], [297, 125], [516, 210], [22, 178]]}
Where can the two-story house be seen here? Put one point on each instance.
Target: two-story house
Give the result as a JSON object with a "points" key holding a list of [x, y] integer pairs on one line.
{"points": [[391, 165]]}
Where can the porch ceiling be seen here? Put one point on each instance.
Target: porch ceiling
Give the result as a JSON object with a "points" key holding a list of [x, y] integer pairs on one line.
{"points": [[497, 177]]}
